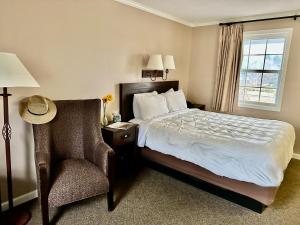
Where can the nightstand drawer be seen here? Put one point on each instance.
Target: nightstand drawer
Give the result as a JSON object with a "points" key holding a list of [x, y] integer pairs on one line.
{"points": [[124, 137], [117, 137]]}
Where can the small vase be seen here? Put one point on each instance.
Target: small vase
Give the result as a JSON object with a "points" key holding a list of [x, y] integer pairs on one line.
{"points": [[105, 121]]}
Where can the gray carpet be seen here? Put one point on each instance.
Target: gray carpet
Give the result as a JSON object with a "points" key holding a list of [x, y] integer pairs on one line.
{"points": [[155, 198]]}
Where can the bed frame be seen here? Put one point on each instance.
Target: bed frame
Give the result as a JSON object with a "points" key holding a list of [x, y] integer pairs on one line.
{"points": [[239, 192]]}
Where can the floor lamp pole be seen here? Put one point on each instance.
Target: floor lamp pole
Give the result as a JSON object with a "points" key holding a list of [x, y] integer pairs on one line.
{"points": [[13, 217], [6, 132]]}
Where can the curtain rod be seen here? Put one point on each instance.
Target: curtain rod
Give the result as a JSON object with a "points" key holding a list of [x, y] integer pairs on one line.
{"points": [[258, 20]]}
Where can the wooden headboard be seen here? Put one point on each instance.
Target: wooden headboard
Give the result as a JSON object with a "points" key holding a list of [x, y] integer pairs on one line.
{"points": [[127, 90]]}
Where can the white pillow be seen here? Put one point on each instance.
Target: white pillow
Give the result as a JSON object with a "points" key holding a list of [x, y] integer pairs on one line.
{"points": [[151, 106], [176, 100], [136, 97], [169, 91]]}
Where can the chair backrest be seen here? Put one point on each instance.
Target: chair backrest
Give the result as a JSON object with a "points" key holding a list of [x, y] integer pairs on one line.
{"points": [[75, 130]]}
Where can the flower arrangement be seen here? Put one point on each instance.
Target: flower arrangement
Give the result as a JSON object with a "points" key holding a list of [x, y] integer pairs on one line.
{"points": [[106, 99]]}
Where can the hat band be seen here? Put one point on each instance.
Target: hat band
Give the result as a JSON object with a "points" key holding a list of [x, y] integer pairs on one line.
{"points": [[37, 114]]}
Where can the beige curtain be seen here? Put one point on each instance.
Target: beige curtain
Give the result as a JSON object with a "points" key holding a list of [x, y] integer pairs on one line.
{"points": [[229, 58]]}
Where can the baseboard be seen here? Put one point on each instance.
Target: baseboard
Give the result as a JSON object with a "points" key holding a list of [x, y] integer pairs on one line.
{"points": [[296, 156], [21, 199]]}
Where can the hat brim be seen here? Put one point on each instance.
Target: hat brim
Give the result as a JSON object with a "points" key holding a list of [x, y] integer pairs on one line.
{"points": [[37, 119]]}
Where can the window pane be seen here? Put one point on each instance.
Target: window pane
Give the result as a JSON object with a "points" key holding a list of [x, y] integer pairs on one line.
{"points": [[258, 47], [275, 46], [270, 80], [243, 78], [268, 95], [256, 62], [241, 94], [246, 47], [245, 63], [251, 94], [273, 62], [253, 79]]}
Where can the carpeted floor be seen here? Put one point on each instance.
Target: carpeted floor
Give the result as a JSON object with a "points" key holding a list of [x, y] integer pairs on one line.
{"points": [[155, 198]]}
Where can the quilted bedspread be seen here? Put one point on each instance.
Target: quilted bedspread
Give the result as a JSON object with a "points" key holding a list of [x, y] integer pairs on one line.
{"points": [[242, 148]]}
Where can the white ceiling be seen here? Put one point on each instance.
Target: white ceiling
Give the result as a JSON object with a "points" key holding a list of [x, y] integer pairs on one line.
{"points": [[206, 12]]}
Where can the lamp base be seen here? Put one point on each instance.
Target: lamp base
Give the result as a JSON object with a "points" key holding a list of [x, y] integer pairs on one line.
{"points": [[15, 217]]}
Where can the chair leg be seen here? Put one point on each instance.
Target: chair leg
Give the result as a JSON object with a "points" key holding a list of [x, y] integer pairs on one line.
{"points": [[45, 213], [44, 195], [110, 201]]}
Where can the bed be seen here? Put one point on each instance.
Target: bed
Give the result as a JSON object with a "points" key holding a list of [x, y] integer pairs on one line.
{"points": [[241, 159]]}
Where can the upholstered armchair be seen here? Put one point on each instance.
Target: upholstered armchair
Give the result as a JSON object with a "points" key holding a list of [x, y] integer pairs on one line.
{"points": [[72, 160]]}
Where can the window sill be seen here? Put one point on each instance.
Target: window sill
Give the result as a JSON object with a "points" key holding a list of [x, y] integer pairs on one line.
{"points": [[273, 108]]}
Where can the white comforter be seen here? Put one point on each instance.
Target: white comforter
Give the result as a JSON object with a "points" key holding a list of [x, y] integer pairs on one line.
{"points": [[237, 147]]}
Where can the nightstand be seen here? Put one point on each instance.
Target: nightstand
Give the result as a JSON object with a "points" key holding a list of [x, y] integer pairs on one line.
{"points": [[123, 142], [198, 106], [191, 105]]}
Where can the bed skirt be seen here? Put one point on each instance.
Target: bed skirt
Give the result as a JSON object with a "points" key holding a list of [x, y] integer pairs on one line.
{"points": [[264, 195]]}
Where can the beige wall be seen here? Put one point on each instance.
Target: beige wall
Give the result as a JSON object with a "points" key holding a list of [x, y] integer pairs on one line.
{"points": [[203, 69], [83, 49], [203, 64], [80, 49]]}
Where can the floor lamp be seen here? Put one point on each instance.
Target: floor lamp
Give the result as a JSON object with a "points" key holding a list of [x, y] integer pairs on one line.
{"points": [[12, 74]]}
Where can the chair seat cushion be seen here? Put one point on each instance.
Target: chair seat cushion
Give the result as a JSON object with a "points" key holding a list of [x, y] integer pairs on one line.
{"points": [[74, 180]]}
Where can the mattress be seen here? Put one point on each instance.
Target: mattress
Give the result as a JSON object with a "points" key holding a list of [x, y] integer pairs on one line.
{"points": [[241, 148]]}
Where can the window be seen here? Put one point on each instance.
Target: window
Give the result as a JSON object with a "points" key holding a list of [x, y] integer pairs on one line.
{"points": [[265, 55]]}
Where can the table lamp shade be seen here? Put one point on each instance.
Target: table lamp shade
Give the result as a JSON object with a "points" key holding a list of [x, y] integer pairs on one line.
{"points": [[155, 63], [13, 73], [169, 62]]}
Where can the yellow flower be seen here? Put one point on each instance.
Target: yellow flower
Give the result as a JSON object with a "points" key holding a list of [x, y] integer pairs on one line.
{"points": [[109, 97]]}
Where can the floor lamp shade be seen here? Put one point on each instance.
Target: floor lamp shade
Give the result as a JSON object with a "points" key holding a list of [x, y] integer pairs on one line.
{"points": [[13, 73]]}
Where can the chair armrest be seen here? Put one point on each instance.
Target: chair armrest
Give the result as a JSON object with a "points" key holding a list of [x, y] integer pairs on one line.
{"points": [[42, 145], [41, 159], [43, 173], [104, 158]]}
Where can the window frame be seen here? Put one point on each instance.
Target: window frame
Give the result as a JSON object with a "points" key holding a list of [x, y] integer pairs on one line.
{"points": [[285, 33]]}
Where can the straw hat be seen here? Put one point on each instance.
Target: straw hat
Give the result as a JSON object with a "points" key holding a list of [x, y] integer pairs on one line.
{"points": [[37, 109]]}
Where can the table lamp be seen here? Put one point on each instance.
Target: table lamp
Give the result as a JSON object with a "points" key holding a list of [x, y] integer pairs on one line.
{"points": [[169, 64], [154, 67]]}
